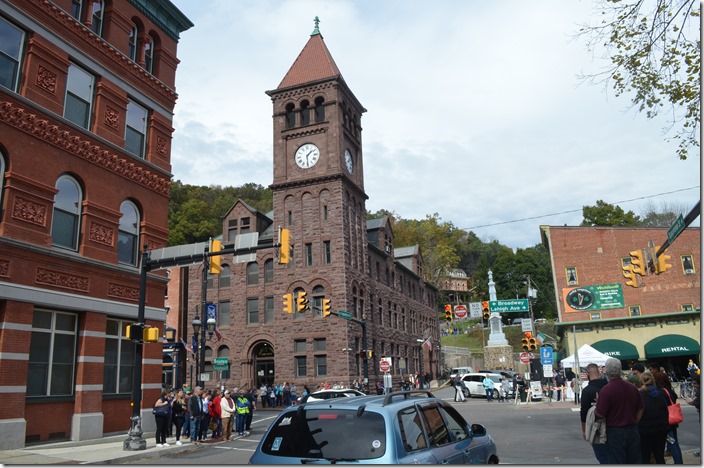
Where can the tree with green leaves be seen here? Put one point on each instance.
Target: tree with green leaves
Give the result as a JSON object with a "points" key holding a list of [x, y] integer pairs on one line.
{"points": [[605, 214], [654, 52]]}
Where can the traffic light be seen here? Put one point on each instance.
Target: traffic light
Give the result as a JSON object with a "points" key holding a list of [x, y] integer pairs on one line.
{"points": [[301, 302], [285, 247], [448, 313], [638, 262], [661, 266], [525, 342], [151, 334], [485, 310], [288, 303], [215, 246], [326, 307], [632, 278], [370, 354], [532, 343], [135, 332]]}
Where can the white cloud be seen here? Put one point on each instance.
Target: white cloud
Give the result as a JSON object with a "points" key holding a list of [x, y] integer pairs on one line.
{"points": [[474, 108]]}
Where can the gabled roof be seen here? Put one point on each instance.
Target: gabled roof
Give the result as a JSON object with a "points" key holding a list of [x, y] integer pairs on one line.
{"points": [[314, 63]]}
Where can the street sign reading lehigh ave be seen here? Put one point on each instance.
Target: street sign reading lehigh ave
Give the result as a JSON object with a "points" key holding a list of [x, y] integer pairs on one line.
{"points": [[514, 305]]}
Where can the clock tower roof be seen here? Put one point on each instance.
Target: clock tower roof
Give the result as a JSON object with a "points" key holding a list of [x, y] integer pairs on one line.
{"points": [[314, 63]]}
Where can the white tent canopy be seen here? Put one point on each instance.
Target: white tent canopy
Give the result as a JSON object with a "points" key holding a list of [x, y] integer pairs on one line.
{"points": [[586, 355]]}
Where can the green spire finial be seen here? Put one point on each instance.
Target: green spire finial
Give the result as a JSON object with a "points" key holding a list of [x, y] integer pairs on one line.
{"points": [[316, 30]]}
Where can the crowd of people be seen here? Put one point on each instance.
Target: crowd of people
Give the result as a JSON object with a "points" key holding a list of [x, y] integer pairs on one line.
{"points": [[635, 412]]}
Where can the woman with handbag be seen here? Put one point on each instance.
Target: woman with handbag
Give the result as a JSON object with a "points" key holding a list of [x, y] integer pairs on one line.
{"points": [[653, 425], [161, 415], [178, 414], [662, 381]]}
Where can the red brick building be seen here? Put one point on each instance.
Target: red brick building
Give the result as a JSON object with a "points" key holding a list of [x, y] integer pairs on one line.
{"points": [[86, 105], [659, 320], [337, 254]]}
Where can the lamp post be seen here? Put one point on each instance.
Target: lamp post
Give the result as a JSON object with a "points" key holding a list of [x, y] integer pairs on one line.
{"points": [[198, 327], [420, 357]]}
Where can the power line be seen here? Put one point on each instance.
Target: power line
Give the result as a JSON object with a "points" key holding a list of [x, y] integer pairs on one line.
{"points": [[575, 211]]}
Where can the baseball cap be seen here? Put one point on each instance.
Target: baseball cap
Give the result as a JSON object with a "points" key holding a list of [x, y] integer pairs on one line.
{"points": [[227, 392]]}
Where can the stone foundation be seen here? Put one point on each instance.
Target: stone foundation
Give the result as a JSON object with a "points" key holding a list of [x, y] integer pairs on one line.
{"points": [[498, 357]]}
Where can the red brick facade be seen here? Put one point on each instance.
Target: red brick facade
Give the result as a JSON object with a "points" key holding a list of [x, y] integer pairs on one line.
{"points": [[58, 301]]}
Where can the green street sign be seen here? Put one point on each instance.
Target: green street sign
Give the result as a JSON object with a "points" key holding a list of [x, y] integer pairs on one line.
{"points": [[344, 314], [221, 364], [676, 228], [514, 305]]}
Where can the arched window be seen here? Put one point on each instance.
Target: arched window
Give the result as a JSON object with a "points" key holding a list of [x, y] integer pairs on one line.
{"points": [[128, 236], [305, 113], [133, 45], [319, 110], [149, 56], [269, 271], [66, 218], [252, 273], [96, 23], [290, 116], [76, 9]]}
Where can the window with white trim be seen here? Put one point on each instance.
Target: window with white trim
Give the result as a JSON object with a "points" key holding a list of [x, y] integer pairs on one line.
{"points": [[52, 354], [97, 17], [128, 234], [136, 129], [66, 218], [119, 358], [80, 86], [11, 47]]}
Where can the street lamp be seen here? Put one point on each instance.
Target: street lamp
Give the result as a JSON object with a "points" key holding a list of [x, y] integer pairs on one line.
{"points": [[200, 339], [420, 342]]}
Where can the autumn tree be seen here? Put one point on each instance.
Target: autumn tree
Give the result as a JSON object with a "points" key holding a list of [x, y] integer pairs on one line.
{"points": [[654, 52], [605, 214]]}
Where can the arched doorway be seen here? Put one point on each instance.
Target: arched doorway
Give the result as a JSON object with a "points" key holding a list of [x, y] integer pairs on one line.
{"points": [[263, 354]]}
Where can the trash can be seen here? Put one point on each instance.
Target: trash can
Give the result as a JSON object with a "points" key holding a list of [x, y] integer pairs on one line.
{"points": [[524, 395]]}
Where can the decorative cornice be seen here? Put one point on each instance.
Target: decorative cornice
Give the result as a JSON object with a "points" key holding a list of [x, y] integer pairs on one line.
{"points": [[53, 134]]}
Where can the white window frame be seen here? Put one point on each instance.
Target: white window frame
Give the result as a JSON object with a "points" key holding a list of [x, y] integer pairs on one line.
{"points": [[67, 207], [129, 229], [136, 125], [124, 371], [13, 56], [80, 86], [47, 366]]}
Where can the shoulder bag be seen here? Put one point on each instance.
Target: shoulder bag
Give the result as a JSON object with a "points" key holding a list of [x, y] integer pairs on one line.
{"points": [[161, 410], [674, 410]]}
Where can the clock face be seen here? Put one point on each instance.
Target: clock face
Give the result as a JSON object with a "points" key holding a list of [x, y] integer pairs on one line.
{"points": [[307, 155], [348, 161]]}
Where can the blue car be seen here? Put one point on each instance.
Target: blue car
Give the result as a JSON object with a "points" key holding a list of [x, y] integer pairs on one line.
{"points": [[404, 427]]}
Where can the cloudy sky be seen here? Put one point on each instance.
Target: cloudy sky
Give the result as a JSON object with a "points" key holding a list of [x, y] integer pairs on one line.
{"points": [[474, 109]]}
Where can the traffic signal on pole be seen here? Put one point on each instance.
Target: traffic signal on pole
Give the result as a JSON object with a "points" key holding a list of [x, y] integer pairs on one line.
{"points": [[638, 262], [485, 310], [532, 343], [285, 246], [448, 313], [215, 246], [525, 342], [370, 354], [326, 307], [661, 266], [288, 303], [302, 302], [151, 334], [135, 332], [631, 277]]}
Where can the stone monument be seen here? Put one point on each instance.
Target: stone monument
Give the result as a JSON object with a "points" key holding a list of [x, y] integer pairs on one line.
{"points": [[498, 354]]}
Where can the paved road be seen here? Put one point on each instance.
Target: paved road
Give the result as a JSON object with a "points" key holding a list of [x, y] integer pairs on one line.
{"points": [[535, 433]]}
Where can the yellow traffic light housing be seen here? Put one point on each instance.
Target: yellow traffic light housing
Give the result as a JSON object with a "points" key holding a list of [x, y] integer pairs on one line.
{"points": [[288, 303], [532, 344], [631, 277], [135, 332], [151, 334], [640, 267], [370, 354], [661, 266], [301, 302], [448, 313], [285, 246], [525, 342], [485, 310], [326, 307], [215, 246]]}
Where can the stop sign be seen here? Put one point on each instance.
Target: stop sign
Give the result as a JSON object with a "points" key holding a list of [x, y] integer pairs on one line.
{"points": [[461, 311], [525, 358], [384, 366]]}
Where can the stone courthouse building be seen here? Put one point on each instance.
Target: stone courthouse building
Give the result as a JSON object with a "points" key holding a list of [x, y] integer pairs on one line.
{"points": [[86, 106], [337, 254]]}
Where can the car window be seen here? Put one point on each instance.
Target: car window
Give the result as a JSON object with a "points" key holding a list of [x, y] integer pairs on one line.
{"points": [[438, 433], [327, 433], [495, 378], [456, 423], [411, 430]]}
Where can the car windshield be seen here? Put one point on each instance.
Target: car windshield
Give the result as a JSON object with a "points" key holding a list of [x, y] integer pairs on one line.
{"points": [[327, 433], [495, 378]]}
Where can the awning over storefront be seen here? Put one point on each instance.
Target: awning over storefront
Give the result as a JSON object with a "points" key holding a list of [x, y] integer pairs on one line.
{"points": [[618, 349], [671, 345]]}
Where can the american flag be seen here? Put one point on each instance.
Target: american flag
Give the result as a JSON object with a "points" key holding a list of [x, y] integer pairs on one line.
{"points": [[188, 348], [218, 334], [429, 344]]}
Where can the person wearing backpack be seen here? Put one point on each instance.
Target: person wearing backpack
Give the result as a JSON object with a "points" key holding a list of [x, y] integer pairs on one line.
{"points": [[589, 395]]}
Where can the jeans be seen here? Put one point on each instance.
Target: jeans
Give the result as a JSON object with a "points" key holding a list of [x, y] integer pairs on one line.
{"points": [[459, 396], [489, 394], [623, 445], [240, 420], [674, 448], [600, 453], [195, 428]]}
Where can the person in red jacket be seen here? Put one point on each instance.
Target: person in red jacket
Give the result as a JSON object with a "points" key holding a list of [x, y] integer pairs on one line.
{"points": [[215, 412]]}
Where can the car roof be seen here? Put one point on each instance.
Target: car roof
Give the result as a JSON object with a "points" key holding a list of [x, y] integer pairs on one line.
{"points": [[360, 403]]}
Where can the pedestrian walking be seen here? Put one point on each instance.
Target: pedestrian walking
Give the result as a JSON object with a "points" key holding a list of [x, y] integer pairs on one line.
{"points": [[653, 425], [589, 396], [620, 404], [227, 410], [488, 388], [672, 444], [457, 383]]}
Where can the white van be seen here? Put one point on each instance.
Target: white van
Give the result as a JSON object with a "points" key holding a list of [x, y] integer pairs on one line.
{"points": [[461, 371]]}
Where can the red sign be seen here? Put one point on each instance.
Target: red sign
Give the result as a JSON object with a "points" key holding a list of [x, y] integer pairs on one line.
{"points": [[384, 366], [460, 311], [525, 358]]}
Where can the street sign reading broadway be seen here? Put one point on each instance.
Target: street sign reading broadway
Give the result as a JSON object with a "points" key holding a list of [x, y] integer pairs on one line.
{"points": [[514, 305]]}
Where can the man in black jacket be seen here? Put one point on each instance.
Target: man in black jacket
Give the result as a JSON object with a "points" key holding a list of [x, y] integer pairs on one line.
{"points": [[589, 395], [195, 411]]}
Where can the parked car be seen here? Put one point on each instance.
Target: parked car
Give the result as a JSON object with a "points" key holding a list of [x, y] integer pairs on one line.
{"points": [[461, 370], [327, 394], [474, 384], [407, 427], [541, 320]]}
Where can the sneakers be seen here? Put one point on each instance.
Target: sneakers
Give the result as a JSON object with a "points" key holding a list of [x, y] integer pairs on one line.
{"points": [[159, 445], [165, 444], [178, 442], [246, 433]]}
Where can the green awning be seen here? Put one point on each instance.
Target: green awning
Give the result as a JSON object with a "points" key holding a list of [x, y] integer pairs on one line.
{"points": [[618, 349], [671, 345]]}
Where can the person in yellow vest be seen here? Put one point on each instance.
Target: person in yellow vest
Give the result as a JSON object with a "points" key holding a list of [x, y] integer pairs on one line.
{"points": [[242, 404]]}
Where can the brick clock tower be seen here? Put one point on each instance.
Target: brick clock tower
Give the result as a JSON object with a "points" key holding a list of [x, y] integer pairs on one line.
{"points": [[318, 193]]}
